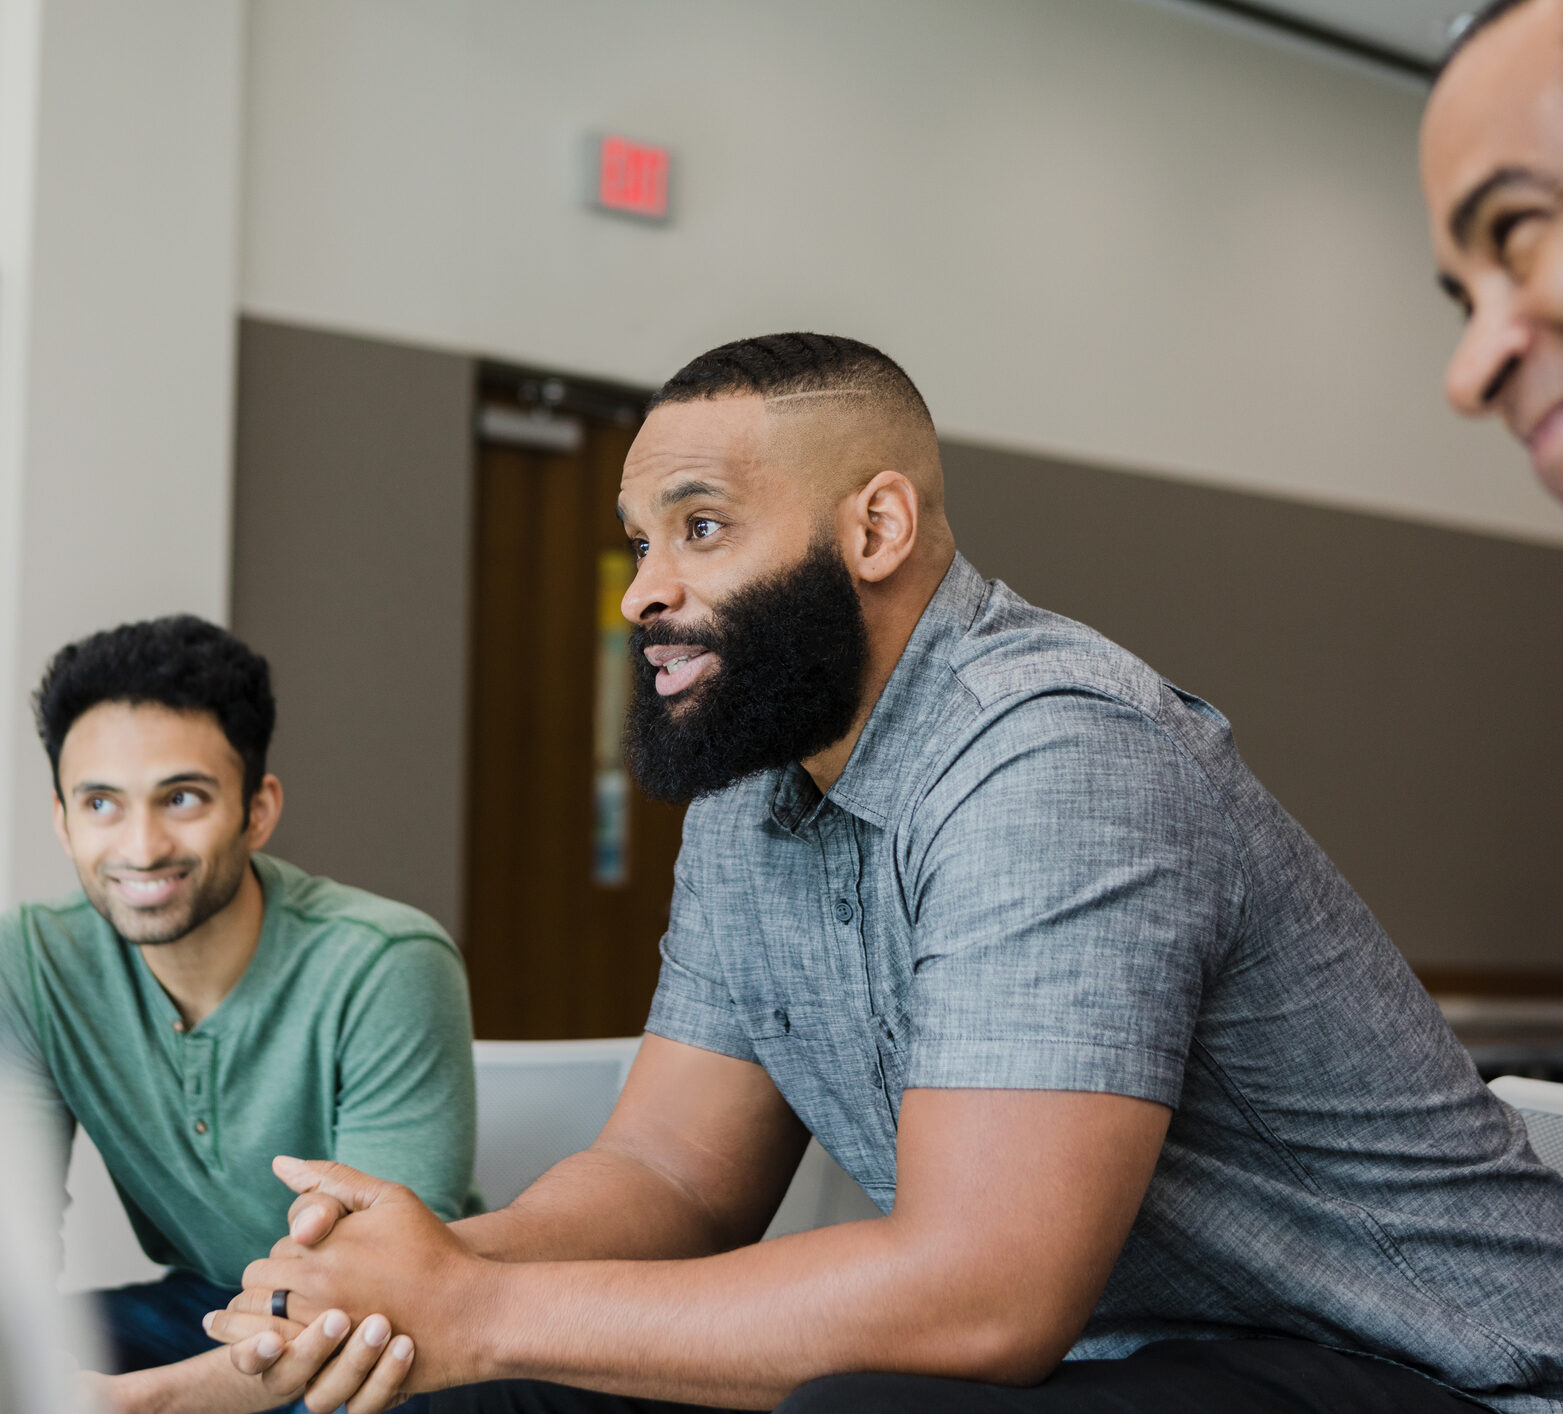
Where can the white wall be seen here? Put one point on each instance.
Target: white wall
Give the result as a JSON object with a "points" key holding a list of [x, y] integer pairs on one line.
{"points": [[1105, 229], [120, 120]]}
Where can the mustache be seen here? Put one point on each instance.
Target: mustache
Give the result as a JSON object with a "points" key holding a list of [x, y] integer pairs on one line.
{"points": [[708, 632], [120, 867]]}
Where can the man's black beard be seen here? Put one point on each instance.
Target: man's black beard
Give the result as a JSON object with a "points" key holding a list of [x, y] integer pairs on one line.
{"points": [[792, 649]]}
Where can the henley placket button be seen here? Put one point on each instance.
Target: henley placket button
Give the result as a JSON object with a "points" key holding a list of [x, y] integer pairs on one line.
{"points": [[843, 911], [179, 1026], [200, 1126]]}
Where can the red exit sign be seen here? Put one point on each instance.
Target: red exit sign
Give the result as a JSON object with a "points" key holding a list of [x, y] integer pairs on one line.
{"points": [[632, 177]]}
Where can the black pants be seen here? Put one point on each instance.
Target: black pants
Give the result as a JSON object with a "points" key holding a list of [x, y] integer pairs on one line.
{"points": [[1168, 1377]]}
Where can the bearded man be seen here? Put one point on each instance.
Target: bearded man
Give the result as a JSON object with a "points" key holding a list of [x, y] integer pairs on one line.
{"points": [[198, 1007], [1158, 1118], [1492, 174]]}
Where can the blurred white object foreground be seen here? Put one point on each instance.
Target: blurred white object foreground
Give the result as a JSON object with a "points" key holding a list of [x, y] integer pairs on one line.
{"points": [[37, 1327]]}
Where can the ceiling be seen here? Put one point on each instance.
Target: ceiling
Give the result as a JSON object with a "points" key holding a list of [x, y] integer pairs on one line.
{"points": [[1414, 31]]}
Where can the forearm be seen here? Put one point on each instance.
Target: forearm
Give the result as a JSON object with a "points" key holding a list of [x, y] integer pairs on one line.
{"points": [[744, 1328], [204, 1384], [597, 1204]]}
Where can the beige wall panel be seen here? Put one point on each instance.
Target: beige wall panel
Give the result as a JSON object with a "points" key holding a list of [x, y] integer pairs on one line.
{"points": [[119, 233], [1117, 232]]}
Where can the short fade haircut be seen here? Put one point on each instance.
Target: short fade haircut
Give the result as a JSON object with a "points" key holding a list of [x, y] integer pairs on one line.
{"points": [[1488, 15], [180, 662], [781, 365]]}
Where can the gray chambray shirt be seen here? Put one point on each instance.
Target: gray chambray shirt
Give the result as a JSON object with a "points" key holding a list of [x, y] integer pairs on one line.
{"points": [[1044, 867]]}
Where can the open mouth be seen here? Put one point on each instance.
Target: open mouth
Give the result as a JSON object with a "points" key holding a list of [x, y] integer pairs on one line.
{"points": [[143, 892], [1546, 437], [678, 665]]}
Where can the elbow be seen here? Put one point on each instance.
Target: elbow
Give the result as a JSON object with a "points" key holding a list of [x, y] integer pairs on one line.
{"points": [[1002, 1350]]}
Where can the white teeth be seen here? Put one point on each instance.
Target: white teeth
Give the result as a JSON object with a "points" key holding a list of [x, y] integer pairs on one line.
{"points": [[673, 664], [144, 886]]}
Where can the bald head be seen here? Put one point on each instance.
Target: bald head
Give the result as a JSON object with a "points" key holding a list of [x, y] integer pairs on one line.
{"points": [[1492, 175], [1483, 19]]}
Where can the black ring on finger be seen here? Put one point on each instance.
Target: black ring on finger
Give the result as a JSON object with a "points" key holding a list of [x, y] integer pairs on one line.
{"points": [[279, 1303]]}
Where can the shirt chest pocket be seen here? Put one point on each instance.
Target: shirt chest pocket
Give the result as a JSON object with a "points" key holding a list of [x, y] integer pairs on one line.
{"points": [[841, 1074]]}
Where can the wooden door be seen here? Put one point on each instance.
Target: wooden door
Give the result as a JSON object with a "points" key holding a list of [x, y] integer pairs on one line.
{"points": [[569, 868]]}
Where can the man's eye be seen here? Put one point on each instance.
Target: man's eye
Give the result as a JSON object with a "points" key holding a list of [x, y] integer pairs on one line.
{"points": [[182, 798], [638, 549], [702, 527], [1505, 226]]}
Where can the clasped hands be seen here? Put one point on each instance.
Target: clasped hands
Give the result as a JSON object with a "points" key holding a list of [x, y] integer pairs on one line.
{"points": [[363, 1259]]}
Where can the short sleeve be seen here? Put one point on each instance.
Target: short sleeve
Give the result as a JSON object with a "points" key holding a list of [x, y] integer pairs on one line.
{"points": [[406, 1097], [1076, 885], [692, 1003]]}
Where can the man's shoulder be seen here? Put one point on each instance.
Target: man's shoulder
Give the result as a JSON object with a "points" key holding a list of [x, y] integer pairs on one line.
{"points": [[69, 921], [323, 909], [1013, 649]]}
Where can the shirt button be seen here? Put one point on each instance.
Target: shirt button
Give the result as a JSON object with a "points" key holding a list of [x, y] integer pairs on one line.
{"points": [[843, 911], [200, 1126], [781, 1016], [179, 1025]]}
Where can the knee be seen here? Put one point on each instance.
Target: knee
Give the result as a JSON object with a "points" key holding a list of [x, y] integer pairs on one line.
{"points": [[852, 1394]]}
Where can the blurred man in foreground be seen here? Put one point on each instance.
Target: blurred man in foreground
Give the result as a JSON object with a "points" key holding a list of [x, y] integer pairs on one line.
{"points": [[198, 1007], [37, 1327], [1492, 172], [1158, 1117]]}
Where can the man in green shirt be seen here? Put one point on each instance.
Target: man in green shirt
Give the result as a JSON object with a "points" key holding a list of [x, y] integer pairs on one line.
{"points": [[199, 1007]]}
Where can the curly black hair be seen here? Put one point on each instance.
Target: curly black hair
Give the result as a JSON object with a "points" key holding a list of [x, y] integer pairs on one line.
{"points": [[181, 662], [775, 365]]}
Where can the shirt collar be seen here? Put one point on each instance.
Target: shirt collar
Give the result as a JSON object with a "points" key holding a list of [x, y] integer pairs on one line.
{"points": [[875, 770]]}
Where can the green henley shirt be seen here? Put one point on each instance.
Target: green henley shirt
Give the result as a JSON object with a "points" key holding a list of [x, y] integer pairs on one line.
{"points": [[348, 1037]]}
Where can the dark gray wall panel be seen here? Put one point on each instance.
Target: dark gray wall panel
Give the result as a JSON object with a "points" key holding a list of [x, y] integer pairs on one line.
{"points": [[1398, 687], [351, 546]]}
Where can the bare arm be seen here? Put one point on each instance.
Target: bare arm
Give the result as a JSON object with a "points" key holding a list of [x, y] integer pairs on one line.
{"points": [[695, 1159], [1012, 1207], [204, 1384]]}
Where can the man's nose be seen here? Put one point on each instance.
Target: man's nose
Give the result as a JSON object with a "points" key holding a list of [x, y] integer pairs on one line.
{"points": [[1489, 352], [654, 590], [146, 842]]}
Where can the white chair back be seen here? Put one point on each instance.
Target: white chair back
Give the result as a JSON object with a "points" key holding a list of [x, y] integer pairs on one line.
{"points": [[1540, 1105], [541, 1101]]}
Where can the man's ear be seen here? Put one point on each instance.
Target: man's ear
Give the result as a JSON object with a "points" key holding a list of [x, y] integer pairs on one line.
{"points": [[265, 811], [62, 834], [884, 527]]}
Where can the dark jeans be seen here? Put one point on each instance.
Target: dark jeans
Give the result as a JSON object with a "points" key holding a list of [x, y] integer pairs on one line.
{"points": [[159, 1323], [156, 1322], [1168, 1377]]}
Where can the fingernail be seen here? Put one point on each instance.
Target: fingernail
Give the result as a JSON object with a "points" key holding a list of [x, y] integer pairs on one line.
{"points": [[401, 1348], [206, 1321], [268, 1347], [377, 1330], [335, 1325]]}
